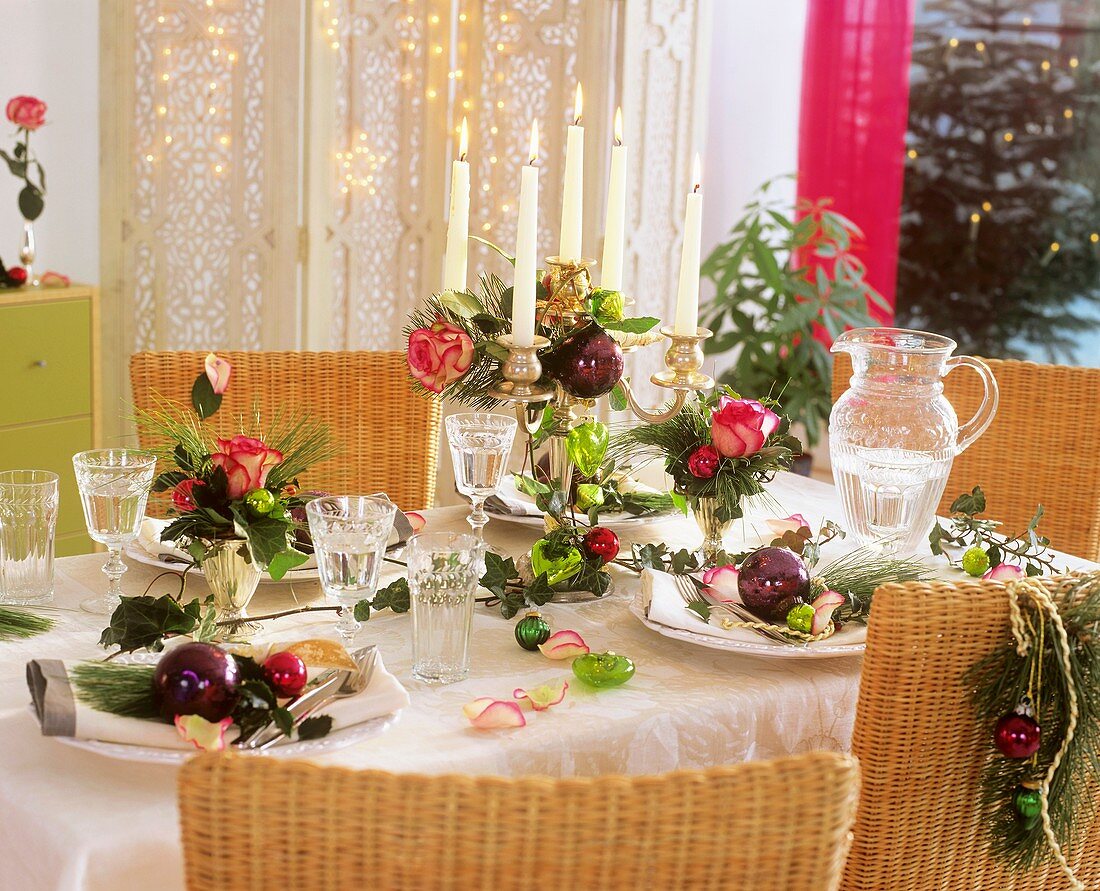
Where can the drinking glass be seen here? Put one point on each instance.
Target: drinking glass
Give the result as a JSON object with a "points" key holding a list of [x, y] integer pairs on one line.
{"points": [[114, 487], [350, 534], [28, 518], [444, 568], [480, 444]]}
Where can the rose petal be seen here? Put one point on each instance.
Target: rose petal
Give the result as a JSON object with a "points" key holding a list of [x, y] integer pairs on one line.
{"points": [[416, 520], [564, 645], [1004, 572], [824, 607], [542, 697], [788, 524], [487, 713], [217, 372], [206, 736], [721, 584]]}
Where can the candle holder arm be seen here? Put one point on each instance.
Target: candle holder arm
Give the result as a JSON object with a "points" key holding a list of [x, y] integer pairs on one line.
{"points": [[653, 415]]}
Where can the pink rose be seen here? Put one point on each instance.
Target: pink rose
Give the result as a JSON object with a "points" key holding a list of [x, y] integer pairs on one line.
{"points": [[740, 426], [439, 355], [1004, 572], [246, 462], [217, 372], [181, 495], [26, 112]]}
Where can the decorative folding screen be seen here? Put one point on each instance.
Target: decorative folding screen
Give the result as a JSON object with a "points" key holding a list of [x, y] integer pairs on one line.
{"points": [[256, 209]]}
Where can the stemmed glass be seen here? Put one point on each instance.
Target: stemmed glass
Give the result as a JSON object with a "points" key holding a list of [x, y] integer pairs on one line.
{"points": [[114, 487], [480, 445], [350, 534]]}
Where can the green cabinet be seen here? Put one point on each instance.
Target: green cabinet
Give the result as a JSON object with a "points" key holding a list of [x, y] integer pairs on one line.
{"points": [[48, 384]]}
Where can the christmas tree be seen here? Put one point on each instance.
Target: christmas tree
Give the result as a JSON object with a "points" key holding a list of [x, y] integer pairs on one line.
{"points": [[1000, 228]]}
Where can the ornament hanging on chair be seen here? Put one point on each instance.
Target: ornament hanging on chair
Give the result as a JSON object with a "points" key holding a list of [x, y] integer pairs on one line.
{"points": [[1018, 735], [532, 630], [587, 363]]}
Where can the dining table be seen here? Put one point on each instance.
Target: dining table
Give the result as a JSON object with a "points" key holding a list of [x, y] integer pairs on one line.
{"points": [[76, 819]]}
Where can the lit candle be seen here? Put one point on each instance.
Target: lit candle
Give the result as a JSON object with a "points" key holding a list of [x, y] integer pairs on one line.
{"points": [[975, 222], [572, 202], [458, 224], [687, 299], [527, 236], [615, 223]]}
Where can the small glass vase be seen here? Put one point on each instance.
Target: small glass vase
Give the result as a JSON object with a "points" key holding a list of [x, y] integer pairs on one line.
{"points": [[232, 578], [705, 510]]}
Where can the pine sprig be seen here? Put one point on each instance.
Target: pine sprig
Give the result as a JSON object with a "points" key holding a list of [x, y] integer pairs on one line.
{"points": [[125, 690], [19, 623], [1000, 682]]}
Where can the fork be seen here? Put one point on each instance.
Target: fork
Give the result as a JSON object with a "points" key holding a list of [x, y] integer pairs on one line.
{"points": [[354, 683], [690, 594]]}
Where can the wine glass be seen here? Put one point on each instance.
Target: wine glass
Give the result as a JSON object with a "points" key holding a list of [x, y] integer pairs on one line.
{"points": [[350, 534], [114, 487], [480, 445]]}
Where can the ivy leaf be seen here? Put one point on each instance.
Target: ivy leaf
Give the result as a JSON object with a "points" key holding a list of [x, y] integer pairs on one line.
{"points": [[284, 561], [362, 611], [31, 203], [679, 502], [639, 325], [283, 719], [461, 303], [935, 538], [140, 622], [530, 486], [498, 572], [539, 591], [203, 398], [684, 561], [207, 627], [617, 397], [15, 165], [650, 556], [701, 608], [971, 503], [315, 727], [395, 596]]}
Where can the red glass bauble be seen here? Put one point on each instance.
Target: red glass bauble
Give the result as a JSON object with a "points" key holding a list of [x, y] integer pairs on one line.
{"points": [[703, 462], [587, 363], [285, 673], [601, 542], [771, 581], [1017, 736], [196, 679]]}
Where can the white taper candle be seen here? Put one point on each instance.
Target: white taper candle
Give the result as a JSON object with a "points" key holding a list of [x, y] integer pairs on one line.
{"points": [[687, 298], [527, 236]]}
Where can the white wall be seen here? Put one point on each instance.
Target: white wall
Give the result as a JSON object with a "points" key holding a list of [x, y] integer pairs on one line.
{"points": [[755, 89], [51, 50]]}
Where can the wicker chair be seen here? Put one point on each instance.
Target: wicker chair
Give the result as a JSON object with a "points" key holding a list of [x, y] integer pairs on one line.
{"points": [[921, 748], [388, 436], [1040, 448], [766, 825]]}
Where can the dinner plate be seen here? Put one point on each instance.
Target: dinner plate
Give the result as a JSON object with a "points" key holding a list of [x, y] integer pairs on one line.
{"points": [[337, 739], [138, 554], [851, 641]]}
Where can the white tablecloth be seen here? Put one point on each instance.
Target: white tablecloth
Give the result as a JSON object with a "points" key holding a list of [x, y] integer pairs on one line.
{"points": [[71, 819]]}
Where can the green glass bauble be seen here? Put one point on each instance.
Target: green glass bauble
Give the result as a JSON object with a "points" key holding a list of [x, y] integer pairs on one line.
{"points": [[531, 631], [603, 669], [1028, 804], [558, 567], [261, 501]]}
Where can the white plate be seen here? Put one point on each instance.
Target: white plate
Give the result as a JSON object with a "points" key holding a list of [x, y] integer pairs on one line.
{"points": [[138, 554], [610, 520], [831, 648], [338, 739]]}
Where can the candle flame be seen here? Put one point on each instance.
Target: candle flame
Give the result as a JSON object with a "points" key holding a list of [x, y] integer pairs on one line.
{"points": [[578, 104], [619, 126], [534, 142], [697, 173], [463, 140]]}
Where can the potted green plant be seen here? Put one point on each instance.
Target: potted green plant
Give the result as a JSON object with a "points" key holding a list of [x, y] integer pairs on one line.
{"points": [[784, 289]]}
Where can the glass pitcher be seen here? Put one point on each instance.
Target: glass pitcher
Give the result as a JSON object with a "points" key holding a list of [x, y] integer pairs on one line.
{"points": [[893, 434]]}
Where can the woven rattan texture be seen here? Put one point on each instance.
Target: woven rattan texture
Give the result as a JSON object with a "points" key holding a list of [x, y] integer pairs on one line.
{"points": [[921, 748], [255, 823], [387, 435], [1040, 448]]}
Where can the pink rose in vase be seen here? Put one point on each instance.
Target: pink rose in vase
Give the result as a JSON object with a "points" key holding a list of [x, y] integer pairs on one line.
{"points": [[439, 355], [26, 112], [246, 462], [739, 427]]}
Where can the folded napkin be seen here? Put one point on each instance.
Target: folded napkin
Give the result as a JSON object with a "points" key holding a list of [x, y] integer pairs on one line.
{"points": [[151, 528], [60, 714], [509, 501], [664, 605]]}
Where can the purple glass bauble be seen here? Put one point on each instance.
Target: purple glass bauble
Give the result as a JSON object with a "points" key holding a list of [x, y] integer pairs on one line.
{"points": [[196, 679], [771, 581], [587, 363], [1017, 736]]}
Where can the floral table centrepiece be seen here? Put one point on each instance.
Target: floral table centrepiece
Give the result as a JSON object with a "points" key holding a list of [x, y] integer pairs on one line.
{"points": [[720, 450], [28, 114]]}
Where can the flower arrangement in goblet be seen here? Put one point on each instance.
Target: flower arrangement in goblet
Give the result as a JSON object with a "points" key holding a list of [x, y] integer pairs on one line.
{"points": [[720, 450]]}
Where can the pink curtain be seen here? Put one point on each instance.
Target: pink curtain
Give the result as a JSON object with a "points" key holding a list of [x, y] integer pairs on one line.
{"points": [[855, 102]]}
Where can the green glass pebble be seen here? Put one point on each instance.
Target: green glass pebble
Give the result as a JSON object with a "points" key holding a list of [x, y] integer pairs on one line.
{"points": [[531, 631], [603, 669], [801, 618]]}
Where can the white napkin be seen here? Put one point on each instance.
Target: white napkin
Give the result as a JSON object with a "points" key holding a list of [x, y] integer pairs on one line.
{"points": [[665, 606], [61, 715]]}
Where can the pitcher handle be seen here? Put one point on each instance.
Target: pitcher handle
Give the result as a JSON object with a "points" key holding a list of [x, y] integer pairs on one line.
{"points": [[983, 417]]}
